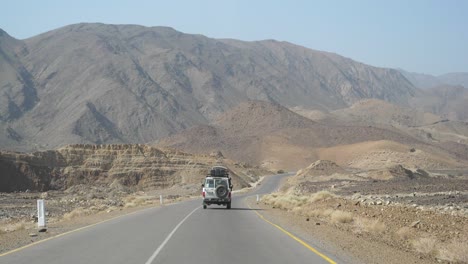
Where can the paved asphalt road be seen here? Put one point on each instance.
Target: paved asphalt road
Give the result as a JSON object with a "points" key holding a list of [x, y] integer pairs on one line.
{"points": [[179, 233]]}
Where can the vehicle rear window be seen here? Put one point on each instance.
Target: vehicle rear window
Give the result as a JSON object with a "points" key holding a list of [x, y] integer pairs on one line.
{"points": [[209, 183], [220, 182]]}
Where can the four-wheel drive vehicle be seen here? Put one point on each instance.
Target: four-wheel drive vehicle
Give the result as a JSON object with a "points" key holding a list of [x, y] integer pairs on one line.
{"points": [[217, 188]]}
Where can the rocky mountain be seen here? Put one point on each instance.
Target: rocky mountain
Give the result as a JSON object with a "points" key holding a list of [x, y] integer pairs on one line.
{"points": [[426, 81], [18, 91], [421, 80], [133, 166], [445, 95], [98, 83], [447, 101], [455, 78]]}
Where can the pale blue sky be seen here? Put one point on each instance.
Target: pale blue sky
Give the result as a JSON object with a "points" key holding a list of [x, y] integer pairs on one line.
{"points": [[417, 35]]}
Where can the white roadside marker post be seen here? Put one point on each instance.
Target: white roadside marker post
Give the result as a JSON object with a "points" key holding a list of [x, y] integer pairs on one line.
{"points": [[41, 220], [258, 198], [160, 199]]}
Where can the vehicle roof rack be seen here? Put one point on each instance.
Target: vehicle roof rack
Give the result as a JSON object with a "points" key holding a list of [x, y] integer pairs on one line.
{"points": [[218, 171]]}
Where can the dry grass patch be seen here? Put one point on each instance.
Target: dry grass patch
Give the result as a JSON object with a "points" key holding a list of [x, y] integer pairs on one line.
{"points": [[318, 213], [291, 201], [369, 225], [425, 245], [341, 217], [285, 201], [303, 205], [320, 196], [75, 213], [136, 201], [455, 251], [22, 225], [404, 233]]}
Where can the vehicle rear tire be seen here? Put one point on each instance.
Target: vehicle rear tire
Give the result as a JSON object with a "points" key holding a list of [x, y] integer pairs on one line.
{"points": [[228, 206]]}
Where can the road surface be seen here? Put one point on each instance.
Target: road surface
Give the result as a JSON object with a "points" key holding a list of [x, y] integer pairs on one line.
{"points": [[179, 233]]}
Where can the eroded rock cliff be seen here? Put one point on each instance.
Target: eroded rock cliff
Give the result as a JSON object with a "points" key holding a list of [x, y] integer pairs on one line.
{"points": [[133, 165]]}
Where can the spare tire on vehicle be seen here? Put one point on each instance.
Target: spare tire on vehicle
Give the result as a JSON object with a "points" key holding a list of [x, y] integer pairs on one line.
{"points": [[221, 191]]}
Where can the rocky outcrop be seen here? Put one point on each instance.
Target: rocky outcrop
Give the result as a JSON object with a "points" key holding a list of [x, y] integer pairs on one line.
{"points": [[396, 172], [139, 166], [321, 167]]}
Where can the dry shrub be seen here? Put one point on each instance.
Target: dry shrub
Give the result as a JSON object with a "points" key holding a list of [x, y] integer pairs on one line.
{"points": [[134, 202], [287, 187], [129, 199], [404, 233], [77, 212], [369, 225], [285, 201], [13, 227], [298, 210], [341, 217], [425, 245], [455, 251], [18, 226], [268, 198], [320, 196], [318, 213]]}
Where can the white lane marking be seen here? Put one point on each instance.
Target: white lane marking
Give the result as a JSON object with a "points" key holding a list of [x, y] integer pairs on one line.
{"points": [[155, 254]]}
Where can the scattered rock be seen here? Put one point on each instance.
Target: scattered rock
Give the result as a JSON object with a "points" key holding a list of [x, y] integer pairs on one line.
{"points": [[34, 218], [415, 223], [33, 234]]}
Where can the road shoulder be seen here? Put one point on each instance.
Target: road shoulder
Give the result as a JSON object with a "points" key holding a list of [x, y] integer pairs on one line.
{"points": [[348, 247]]}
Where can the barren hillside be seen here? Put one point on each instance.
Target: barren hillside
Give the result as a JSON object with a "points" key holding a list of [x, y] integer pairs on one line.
{"points": [[275, 137], [98, 83], [448, 101], [378, 112]]}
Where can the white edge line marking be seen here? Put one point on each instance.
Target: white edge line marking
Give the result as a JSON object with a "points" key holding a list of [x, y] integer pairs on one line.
{"points": [[155, 254]]}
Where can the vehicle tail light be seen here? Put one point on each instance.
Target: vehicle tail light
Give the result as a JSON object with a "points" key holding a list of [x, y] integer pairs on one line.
{"points": [[203, 193], [229, 195]]}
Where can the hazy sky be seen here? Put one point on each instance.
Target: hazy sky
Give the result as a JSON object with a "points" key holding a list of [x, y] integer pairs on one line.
{"points": [[416, 35]]}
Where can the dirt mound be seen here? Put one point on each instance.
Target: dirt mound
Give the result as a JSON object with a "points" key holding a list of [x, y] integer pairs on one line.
{"points": [[319, 171], [343, 154], [322, 167]]}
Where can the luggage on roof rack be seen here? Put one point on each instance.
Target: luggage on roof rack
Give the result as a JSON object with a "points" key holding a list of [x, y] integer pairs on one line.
{"points": [[219, 171]]}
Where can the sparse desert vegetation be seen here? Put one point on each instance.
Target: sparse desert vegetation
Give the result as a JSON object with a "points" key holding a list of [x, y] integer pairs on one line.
{"points": [[427, 233], [426, 245], [374, 226]]}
